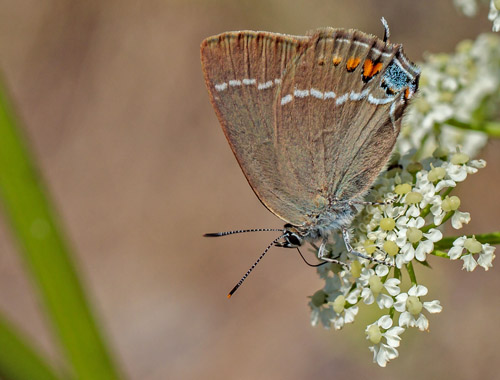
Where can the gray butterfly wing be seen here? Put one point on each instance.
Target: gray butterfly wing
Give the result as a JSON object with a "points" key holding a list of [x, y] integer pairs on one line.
{"points": [[338, 115], [243, 71]]}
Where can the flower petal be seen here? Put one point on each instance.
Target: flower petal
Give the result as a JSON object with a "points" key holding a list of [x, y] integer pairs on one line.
{"points": [[381, 270], [385, 321], [434, 235], [392, 286], [433, 306], [422, 323], [469, 263], [459, 219], [392, 336], [405, 319], [384, 301]]}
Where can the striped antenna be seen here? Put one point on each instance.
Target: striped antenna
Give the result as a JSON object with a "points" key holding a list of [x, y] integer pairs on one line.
{"points": [[216, 234], [254, 265], [387, 32]]}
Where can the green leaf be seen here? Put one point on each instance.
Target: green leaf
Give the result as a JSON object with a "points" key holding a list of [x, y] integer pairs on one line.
{"points": [[47, 256], [18, 360]]}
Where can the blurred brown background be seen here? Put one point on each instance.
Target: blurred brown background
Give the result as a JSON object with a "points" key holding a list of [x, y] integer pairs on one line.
{"points": [[116, 110]]}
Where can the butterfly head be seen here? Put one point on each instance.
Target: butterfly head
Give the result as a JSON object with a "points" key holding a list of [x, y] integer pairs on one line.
{"points": [[293, 237]]}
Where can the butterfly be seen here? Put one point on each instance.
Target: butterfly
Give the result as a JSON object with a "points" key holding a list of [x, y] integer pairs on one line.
{"points": [[312, 120]]}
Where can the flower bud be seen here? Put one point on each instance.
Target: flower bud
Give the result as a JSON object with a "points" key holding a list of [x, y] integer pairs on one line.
{"points": [[387, 224], [414, 235], [402, 189], [391, 248], [436, 174], [369, 246], [472, 245], [413, 305], [318, 298], [338, 304], [440, 152], [414, 167], [374, 334], [459, 158], [356, 269], [376, 285], [450, 203], [413, 197]]}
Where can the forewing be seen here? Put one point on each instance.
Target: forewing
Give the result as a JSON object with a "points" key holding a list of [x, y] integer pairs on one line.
{"points": [[243, 71], [338, 114]]}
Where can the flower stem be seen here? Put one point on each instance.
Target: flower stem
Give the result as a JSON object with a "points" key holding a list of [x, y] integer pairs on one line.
{"points": [[439, 253], [491, 128], [432, 225], [411, 273], [447, 242], [397, 273]]}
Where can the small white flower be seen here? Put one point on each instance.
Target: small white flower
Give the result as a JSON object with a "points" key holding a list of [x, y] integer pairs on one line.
{"points": [[335, 311], [472, 247], [457, 173], [458, 247], [478, 164], [494, 15], [410, 307], [467, 7], [445, 183], [486, 256], [344, 314], [370, 281], [460, 218], [323, 314], [383, 352], [454, 87], [427, 246]]}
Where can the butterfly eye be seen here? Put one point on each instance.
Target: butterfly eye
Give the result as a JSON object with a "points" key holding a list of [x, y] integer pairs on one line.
{"points": [[294, 239]]}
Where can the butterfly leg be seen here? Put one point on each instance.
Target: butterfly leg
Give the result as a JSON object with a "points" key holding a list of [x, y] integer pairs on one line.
{"points": [[347, 242], [321, 255], [322, 248], [390, 201]]}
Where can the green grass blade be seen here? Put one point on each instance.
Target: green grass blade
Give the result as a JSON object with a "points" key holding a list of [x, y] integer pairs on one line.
{"points": [[18, 360], [47, 255]]}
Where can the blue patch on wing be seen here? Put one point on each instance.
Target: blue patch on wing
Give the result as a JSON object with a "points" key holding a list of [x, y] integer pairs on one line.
{"points": [[395, 78]]}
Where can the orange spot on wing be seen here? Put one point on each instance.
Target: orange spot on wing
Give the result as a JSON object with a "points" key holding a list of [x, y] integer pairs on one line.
{"points": [[352, 63], [370, 68], [407, 94], [336, 60], [376, 68], [367, 68]]}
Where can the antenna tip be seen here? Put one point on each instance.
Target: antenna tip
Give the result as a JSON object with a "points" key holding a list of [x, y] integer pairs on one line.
{"points": [[387, 32], [229, 296], [212, 234]]}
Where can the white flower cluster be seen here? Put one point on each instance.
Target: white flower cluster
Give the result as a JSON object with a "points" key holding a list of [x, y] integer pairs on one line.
{"points": [[494, 14], [400, 233], [469, 8], [471, 246], [459, 89]]}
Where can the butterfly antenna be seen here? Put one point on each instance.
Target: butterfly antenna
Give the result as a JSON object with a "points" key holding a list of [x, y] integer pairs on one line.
{"points": [[311, 265], [387, 32], [216, 234], [253, 266]]}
